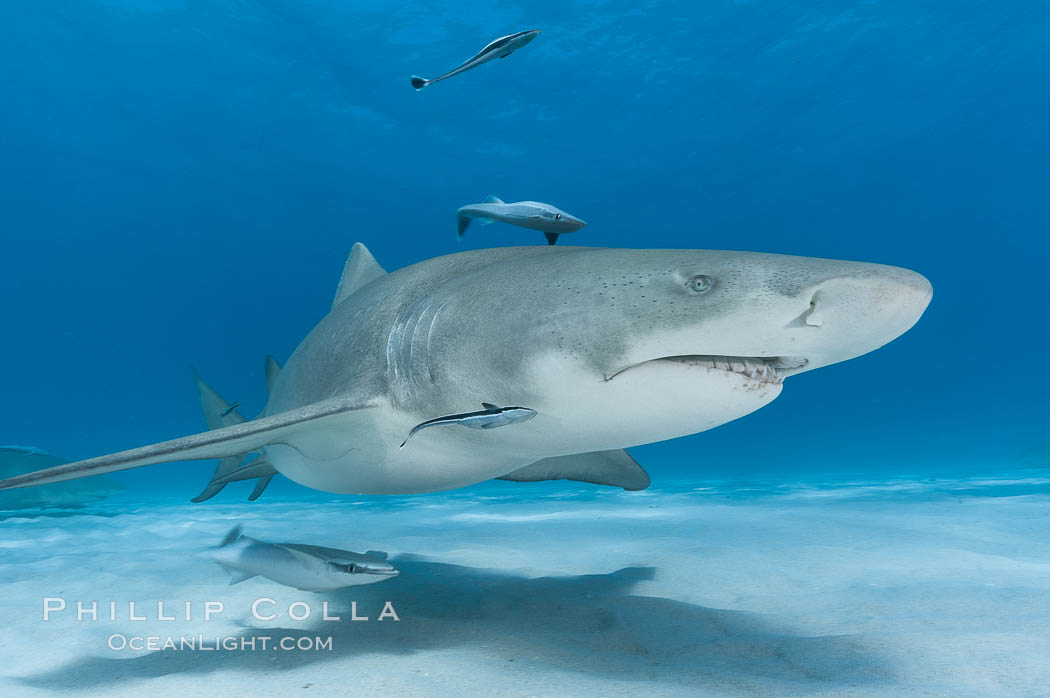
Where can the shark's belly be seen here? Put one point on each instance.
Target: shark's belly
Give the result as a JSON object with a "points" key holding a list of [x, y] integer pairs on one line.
{"points": [[390, 470]]}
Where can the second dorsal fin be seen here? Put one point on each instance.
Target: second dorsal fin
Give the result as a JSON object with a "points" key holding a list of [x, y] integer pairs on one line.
{"points": [[361, 268], [271, 369]]}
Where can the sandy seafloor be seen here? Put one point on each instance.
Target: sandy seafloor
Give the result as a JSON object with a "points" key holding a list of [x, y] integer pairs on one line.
{"points": [[933, 587]]}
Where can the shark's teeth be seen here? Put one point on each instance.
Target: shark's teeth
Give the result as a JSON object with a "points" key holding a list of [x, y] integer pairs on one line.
{"points": [[761, 369]]}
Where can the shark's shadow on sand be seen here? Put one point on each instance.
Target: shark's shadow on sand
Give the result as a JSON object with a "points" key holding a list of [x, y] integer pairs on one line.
{"points": [[590, 624]]}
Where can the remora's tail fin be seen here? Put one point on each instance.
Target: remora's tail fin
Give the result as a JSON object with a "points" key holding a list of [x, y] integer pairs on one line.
{"points": [[419, 83], [463, 222], [297, 428]]}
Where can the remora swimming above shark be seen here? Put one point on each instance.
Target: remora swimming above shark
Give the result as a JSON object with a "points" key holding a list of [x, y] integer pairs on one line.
{"points": [[499, 48], [611, 348], [551, 221]]}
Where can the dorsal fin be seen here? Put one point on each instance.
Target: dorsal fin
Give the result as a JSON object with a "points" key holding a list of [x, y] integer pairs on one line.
{"points": [[492, 199], [271, 369], [361, 268]]}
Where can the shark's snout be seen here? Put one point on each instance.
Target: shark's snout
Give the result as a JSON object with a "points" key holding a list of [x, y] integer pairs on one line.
{"points": [[853, 314]]}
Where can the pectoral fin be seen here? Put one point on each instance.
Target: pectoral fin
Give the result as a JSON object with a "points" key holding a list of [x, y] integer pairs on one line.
{"points": [[308, 429], [615, 468]]}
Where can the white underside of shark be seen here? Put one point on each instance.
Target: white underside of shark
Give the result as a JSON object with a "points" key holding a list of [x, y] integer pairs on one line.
{"points": [[611, 348]]}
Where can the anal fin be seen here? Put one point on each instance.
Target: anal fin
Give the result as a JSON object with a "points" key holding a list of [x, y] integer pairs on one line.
{"points": [[235, 469], [260, 487]]}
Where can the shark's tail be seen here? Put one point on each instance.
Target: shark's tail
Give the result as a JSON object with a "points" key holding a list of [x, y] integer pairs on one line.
{"points": [[219, 413], [419, 83]]}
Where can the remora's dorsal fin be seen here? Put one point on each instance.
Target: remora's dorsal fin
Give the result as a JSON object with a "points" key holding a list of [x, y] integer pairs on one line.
{"points": [[489, 406], [271, 370], [361, 268], [493, 199], [230, 537], [616, 468], [238, 576]]}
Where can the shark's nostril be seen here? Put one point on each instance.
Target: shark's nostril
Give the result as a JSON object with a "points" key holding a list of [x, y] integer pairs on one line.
{"points": [[812, 316]]}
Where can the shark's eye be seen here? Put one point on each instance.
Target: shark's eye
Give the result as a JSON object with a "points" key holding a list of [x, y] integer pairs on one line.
{"points": [[700, 283], [557, 216], [351, 568]]}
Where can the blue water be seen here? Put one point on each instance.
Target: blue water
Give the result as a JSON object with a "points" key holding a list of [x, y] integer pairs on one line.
{"points": [[182, 181]]}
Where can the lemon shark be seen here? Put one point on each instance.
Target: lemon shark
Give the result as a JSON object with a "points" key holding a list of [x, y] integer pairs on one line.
{"points": [[611, 348]]}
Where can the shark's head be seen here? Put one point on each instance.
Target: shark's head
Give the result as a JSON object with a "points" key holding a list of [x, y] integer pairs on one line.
{"points": [[632, 346], [359, 570]]}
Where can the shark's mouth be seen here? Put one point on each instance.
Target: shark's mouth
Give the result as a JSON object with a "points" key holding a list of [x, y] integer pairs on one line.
{"points": [[762, 369]]}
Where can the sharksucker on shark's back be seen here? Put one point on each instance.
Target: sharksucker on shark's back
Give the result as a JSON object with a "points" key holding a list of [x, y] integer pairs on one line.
{"points": [[612, 348]]}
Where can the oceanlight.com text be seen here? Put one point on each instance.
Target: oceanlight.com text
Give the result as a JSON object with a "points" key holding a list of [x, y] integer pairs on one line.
{"points": [[119, 642]]}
